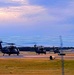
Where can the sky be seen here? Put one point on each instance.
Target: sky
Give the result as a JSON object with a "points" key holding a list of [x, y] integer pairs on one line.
{"points": [[37, 21]]}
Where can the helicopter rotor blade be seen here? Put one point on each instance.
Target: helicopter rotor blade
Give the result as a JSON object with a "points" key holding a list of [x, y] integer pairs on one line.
{"points": [[8, 43]]}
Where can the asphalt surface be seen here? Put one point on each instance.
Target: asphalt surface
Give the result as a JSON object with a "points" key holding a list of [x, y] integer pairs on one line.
{"points": [[35, 56]]}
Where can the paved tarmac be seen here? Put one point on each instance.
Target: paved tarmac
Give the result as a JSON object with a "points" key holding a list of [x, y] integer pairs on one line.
{"points": [[35, 56]]}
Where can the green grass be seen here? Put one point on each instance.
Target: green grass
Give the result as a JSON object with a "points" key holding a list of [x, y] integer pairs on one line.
{"points": [[35, 67]]}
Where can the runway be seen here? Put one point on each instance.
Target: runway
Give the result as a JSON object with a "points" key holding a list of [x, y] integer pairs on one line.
{"points": [[36, 56]]}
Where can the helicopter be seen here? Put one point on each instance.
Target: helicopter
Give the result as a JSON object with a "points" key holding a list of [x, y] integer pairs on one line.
{"points": [[56, 50], [39, 50], [11, 49]]}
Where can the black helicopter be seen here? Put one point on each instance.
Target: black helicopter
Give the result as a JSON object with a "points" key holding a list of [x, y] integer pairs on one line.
{"points": [[56, 49], [11, 49], [39, 50]]}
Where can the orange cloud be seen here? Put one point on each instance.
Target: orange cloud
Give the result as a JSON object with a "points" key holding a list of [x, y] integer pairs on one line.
{"points": [[20, 13]]}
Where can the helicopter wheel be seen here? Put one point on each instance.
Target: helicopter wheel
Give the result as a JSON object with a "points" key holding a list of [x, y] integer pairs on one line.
{"points": [[18, 54], [38, 53], [45, 53], [3, 54], [9, 54]]}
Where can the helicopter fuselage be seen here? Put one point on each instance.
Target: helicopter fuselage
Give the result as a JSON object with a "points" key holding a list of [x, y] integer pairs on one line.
{"points": [[9, 50]]}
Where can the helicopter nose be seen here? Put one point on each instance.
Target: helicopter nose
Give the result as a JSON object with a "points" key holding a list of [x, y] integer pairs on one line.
{"points": [[1, 41]]}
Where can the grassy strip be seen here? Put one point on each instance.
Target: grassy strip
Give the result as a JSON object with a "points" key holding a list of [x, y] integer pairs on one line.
{"points": [[34, 67]]}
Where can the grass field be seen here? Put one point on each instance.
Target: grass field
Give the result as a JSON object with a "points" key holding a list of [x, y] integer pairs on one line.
{"points": [[35, 66]]}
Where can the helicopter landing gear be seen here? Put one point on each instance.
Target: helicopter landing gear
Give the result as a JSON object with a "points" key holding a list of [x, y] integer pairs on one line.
{"points": [[3, 54], [9, 54], [17, 54]]}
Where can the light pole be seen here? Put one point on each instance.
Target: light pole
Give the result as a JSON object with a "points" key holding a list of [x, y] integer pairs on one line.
{"points": [[62, 54]]}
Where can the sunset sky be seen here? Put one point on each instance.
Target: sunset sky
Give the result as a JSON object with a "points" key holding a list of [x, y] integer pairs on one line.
{"points": [[37, 21]]}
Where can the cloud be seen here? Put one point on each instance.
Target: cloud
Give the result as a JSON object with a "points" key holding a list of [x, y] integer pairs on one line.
{"points": [[55, 14], [23, 13], [8, 4], [35, 13], [65, 12], [52, 20], [11, 3]]}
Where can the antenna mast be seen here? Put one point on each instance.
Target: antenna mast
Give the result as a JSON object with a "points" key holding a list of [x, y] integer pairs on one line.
{"points": [[62, 54]]}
